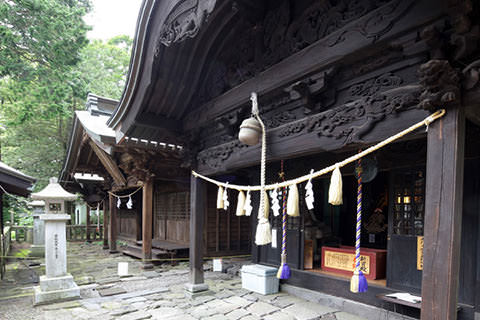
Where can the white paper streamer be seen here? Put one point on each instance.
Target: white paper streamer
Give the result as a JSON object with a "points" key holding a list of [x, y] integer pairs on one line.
{"points": [[226, 203], [275, 202], [119, 203], [309, 198], [130, 203], [248, 205]]}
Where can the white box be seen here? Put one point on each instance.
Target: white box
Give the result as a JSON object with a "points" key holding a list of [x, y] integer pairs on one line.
{"points": [[122, 269], [217, 265], [260, 279]]}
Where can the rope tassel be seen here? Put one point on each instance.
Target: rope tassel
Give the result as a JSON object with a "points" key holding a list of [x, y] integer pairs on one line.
{"points": [[293, 209], [240, 204], [263, 234], [335, 196], [358, 282]]}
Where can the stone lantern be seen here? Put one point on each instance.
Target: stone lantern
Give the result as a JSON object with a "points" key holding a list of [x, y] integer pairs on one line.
{"points": [[38, 246], [57, 284]]}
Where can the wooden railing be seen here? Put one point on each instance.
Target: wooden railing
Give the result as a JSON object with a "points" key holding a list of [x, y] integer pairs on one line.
{"points": [[79, 232], [73, 233], [4, 249]]}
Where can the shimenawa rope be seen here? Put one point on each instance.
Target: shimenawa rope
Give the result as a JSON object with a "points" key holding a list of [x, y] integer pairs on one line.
{"points": [[426, 122]]}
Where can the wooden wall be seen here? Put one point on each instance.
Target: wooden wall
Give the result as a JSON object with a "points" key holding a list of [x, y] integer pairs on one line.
{"points": [[172, 216], [129, 221], [127, 224], [225, 233]]}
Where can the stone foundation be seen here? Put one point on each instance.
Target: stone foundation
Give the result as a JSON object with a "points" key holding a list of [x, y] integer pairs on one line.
{"points": [[56, 289]]}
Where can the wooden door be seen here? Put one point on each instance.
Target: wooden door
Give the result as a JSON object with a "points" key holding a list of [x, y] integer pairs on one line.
{"points": [[405, 225]]}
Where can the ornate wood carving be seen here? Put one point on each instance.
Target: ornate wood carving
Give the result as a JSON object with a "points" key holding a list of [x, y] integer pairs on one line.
{"points": [[214, 157], [440, 84], [349, 122], [284, 33], [471, 75], [369, 110], [141, 165], [466, 35], [185, 20]]}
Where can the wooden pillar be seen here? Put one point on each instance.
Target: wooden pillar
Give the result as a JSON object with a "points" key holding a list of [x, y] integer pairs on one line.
{"points": [[139, 223], [147, 213], [198, 198], [87, 224], [443, 216], [106, 210], [112, 234]]}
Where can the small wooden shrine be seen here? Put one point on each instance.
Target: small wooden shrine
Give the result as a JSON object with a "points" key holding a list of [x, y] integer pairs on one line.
{"points": [[143, 189]]}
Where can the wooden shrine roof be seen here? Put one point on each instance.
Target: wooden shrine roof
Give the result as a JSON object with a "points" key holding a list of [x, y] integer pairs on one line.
{"points": [[14, 181]]}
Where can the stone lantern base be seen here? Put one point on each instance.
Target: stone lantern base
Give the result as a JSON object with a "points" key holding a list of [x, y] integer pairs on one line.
{"points": [[56, 289]]}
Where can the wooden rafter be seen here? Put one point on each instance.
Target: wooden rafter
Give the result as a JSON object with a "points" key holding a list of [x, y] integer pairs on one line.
{"points": [[109, 165]]}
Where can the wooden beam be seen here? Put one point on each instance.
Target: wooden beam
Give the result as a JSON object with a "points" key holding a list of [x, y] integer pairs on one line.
{"points": [[198, 197], [443, 216], [147, 214], [306, 142], [89, 157], [112, 235], [87, 224], [109, 164], [106, 210]]}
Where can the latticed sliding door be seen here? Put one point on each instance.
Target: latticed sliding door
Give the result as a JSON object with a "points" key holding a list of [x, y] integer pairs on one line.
{"points": [[406, 218]]}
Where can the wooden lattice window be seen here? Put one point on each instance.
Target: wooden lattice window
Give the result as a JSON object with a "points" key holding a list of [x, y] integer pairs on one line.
{"points": [[172, 205], [409, 199]]}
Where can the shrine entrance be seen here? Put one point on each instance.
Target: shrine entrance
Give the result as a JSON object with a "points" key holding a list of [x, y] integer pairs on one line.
{"points": [[330, 230]]}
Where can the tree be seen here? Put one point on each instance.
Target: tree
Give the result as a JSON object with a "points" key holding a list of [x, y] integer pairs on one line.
{"points": [[40, 35], [47, 67], [103, 67], [40, 44]]}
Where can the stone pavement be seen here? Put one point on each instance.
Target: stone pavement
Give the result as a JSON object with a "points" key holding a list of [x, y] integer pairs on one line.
{"points": [[157, 294]]}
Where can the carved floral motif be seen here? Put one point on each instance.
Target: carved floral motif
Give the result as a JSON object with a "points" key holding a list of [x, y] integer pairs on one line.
{"points": [[368, 111], [214, 157], [372, 86], [377, 24]]}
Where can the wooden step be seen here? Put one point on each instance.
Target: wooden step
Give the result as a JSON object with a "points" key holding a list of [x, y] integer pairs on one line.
{"points": [[136, 251]]}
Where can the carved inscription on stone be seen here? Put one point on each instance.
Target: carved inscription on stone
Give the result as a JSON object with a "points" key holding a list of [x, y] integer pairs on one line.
{"points": [[55, 244]]}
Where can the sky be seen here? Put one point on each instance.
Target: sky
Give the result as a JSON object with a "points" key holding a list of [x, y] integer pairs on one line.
{"points": [[111, 18]]}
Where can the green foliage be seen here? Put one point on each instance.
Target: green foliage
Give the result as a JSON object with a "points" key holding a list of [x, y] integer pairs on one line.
{"points": [[47, 67], [103, 67], [40, 35]]}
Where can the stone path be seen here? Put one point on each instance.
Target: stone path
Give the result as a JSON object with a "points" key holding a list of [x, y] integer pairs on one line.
{"points": [[157, 294]]}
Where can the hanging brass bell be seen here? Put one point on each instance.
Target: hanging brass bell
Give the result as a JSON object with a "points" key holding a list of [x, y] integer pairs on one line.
{"points": [[250, 131]]}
